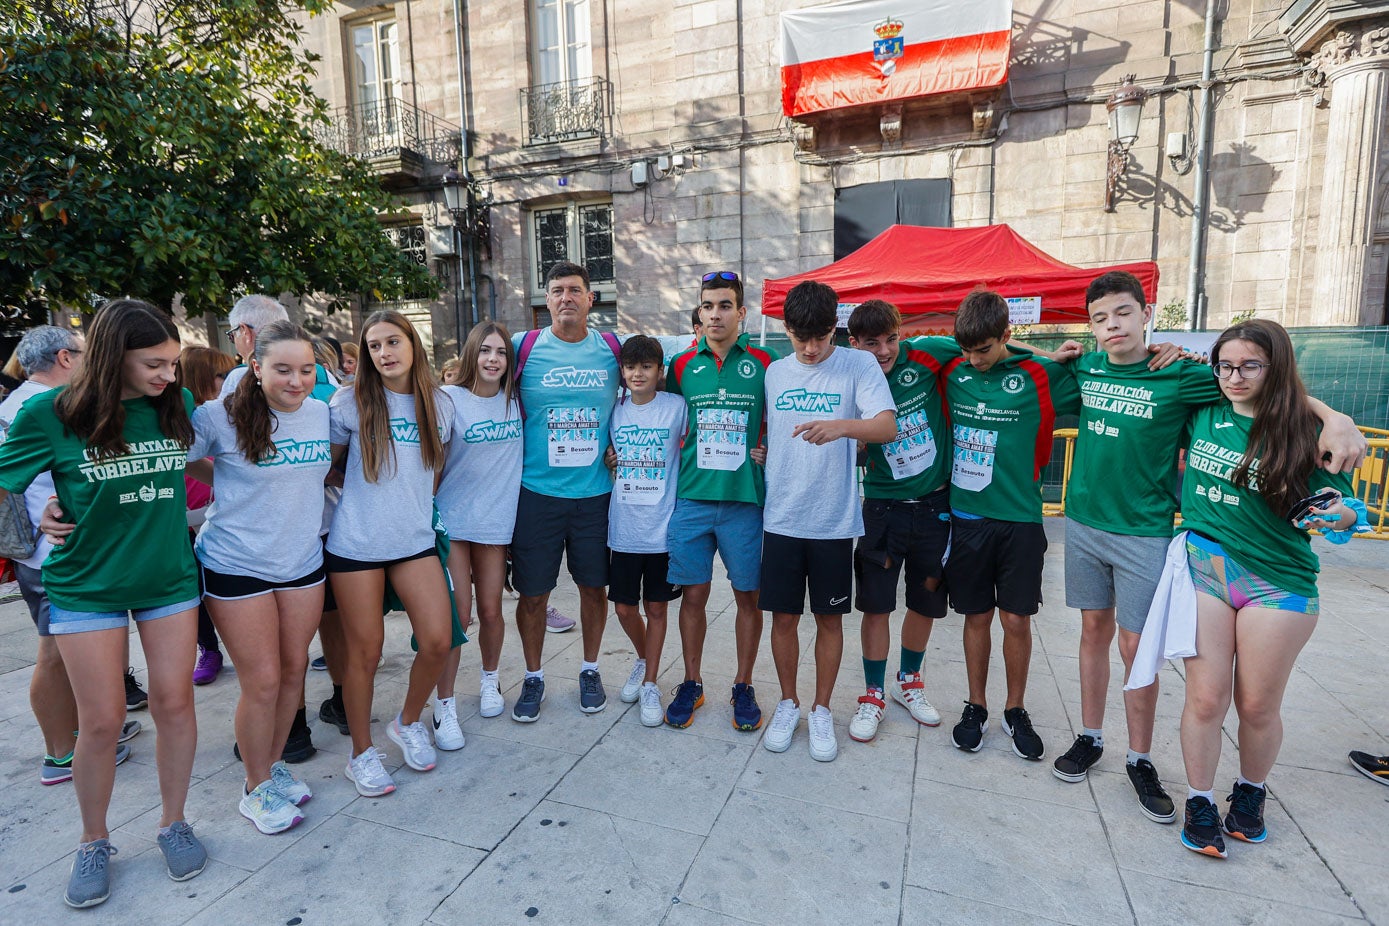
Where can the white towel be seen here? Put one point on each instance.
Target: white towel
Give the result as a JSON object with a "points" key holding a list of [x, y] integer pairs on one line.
{"points": [[1170, 631]]}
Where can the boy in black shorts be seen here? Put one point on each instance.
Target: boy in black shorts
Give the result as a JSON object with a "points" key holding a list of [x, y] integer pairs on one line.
{"points": [[1003, 403], [820, 403]]}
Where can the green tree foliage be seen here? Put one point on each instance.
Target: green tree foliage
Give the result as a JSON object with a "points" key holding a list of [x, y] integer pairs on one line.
{"points": [[155, 147]]}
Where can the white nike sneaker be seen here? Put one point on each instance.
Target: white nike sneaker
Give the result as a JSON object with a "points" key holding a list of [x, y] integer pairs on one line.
{"points": [[823, 745], [783, 726], [631, 691], [652, 713], [448, 736], [491, 701]]}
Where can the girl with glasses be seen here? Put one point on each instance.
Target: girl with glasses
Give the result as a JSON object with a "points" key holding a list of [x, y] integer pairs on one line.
{"points": [[1252, 462]]}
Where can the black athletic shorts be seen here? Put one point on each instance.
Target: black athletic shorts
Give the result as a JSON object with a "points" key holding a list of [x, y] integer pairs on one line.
{"points": [[334, 563], [637, 577], [226, 587], [914, 532], [790, 564], [995, 564], [548, 528]]}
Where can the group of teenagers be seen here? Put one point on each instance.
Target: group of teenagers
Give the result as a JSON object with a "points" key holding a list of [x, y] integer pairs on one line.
{"points": [[568, 444]]}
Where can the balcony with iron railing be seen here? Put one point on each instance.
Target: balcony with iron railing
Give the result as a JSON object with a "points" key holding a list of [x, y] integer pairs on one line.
{"points": [[567, 110], [399, 140]]}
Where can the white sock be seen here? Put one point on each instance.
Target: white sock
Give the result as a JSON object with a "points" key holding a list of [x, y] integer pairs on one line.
{"points": [[1133, 757], [489, 676], [443, 702], [1246, 781], [588, 666], [538, 673], [1208, 795], [1096, 734]]}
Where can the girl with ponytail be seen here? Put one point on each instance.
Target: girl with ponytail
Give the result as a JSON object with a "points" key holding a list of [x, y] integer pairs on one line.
{"points": [[262, 561]]}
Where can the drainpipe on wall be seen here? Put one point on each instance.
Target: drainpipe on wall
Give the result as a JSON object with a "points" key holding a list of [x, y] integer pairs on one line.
{"points": [[1200, 200], [460, 12]]}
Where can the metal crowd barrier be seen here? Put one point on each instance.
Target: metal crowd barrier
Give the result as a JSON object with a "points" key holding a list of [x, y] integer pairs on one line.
{"points": [[1370, 481]]}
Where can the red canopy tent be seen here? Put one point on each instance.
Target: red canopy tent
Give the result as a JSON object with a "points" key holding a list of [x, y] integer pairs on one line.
{"points": [[926, 272]]}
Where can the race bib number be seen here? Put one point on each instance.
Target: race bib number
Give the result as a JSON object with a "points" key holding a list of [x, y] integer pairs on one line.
{"points": [[640, 481], [573, 436], [914, 450], [722, 440], [974, 458]]}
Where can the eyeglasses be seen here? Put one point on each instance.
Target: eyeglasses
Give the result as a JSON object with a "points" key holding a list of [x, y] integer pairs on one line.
{"points": [[1250, 369], [720, 275]]}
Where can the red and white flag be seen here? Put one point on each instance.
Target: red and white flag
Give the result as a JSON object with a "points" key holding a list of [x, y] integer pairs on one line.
{"points": [[873, 51]]}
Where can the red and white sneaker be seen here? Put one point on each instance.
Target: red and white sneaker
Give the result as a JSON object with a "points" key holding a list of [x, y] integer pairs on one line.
{"points": [[911, 694], [864, 726]]}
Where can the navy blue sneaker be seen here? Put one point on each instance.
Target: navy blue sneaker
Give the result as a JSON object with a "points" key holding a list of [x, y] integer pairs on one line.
{"points": [[689, 697], [747, 716], [1245, 820], [1201, 833]]}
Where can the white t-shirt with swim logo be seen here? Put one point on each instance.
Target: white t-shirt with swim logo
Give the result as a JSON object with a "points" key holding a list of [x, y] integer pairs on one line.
{"points": [[646, 439], [482, 477]]}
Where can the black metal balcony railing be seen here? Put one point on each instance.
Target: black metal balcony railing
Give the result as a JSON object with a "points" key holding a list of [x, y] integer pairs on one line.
{"points": [[566, 110], [390, 128]]}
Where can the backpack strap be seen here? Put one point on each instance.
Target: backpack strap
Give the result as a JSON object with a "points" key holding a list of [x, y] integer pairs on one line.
{"points": [[615, 345], [522, 354]]}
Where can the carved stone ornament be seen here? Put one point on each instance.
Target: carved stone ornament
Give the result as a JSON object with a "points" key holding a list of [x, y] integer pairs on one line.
{"points": [[1349, 44]]}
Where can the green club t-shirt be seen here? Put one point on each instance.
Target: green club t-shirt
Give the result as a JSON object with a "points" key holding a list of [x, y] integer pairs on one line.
{"points": [[1239, 519], [1001, 423], [1132, 419], [917, 462], [726, 411], [130, 547]]}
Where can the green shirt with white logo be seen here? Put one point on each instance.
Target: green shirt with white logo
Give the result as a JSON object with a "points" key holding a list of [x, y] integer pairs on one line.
{"points": [[1001, 423], [130, 547], [1257, 537], [726, 412], [917, 462], [1124, 475]]}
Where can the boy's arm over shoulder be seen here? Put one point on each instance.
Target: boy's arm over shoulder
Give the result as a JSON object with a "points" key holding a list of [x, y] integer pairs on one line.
{"points": [[1065, 391], [941, 350]]}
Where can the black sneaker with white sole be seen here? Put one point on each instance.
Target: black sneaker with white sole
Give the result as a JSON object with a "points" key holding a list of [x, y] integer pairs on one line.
{"points": [[1375, 768], [968, 734], [1026, 743], [527, 707], [592, 697], [1075, 765], [1153, 799], [135, 697]]}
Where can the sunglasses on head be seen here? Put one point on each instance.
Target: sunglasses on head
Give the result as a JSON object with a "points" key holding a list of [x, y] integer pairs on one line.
{"points": [[720, 275]]}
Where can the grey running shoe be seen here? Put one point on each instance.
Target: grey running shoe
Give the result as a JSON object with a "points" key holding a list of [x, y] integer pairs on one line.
{"points": [[90, 881], [129, 730], [184, 855], [592, 697], [527, 709]]}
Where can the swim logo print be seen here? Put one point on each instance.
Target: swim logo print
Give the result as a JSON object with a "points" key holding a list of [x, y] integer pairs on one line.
{"points": [[493, 432], [301, 453], [574, 378], [405, 431], [640, 476], [815, 403]]}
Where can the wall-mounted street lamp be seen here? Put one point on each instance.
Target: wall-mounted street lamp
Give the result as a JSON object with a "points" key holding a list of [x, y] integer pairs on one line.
{"points": [[1125, 107], [457, 202]]}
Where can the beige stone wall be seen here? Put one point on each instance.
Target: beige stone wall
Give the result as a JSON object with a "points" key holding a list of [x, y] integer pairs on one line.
{"points": [[753, 203]]}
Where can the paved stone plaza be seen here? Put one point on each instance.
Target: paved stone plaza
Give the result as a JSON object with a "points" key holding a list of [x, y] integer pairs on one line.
{"points": [[594, 819]]}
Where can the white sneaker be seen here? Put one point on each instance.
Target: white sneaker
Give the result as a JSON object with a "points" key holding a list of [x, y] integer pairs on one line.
{"points": [[414, 743], [911, 694], [823, 746], [864, 726], [632, 690], [292, 788], [369, 775], [269, 810], [652, 713], [492, 701], [783, 726], [447, 735]]}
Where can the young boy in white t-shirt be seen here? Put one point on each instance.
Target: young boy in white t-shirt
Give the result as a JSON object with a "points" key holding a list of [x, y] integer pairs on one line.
{"points": [[820, 403], [646, 427]]}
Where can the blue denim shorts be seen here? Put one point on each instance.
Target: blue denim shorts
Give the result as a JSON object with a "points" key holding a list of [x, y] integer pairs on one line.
{"points": [[697, 528], [61, 620]]}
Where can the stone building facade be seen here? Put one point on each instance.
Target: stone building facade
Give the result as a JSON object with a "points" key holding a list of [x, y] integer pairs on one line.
{"points": [[647, 139]]}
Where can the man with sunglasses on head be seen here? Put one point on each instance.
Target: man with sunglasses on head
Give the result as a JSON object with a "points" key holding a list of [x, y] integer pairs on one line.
{"points": [[720, 491]]}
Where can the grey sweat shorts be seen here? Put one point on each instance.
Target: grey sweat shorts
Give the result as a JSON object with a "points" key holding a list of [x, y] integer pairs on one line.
{"points": [[1105, 570]]}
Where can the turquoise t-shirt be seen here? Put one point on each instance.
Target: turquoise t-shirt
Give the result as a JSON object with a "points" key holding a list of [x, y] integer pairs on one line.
{"points": [[567, 393]]}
